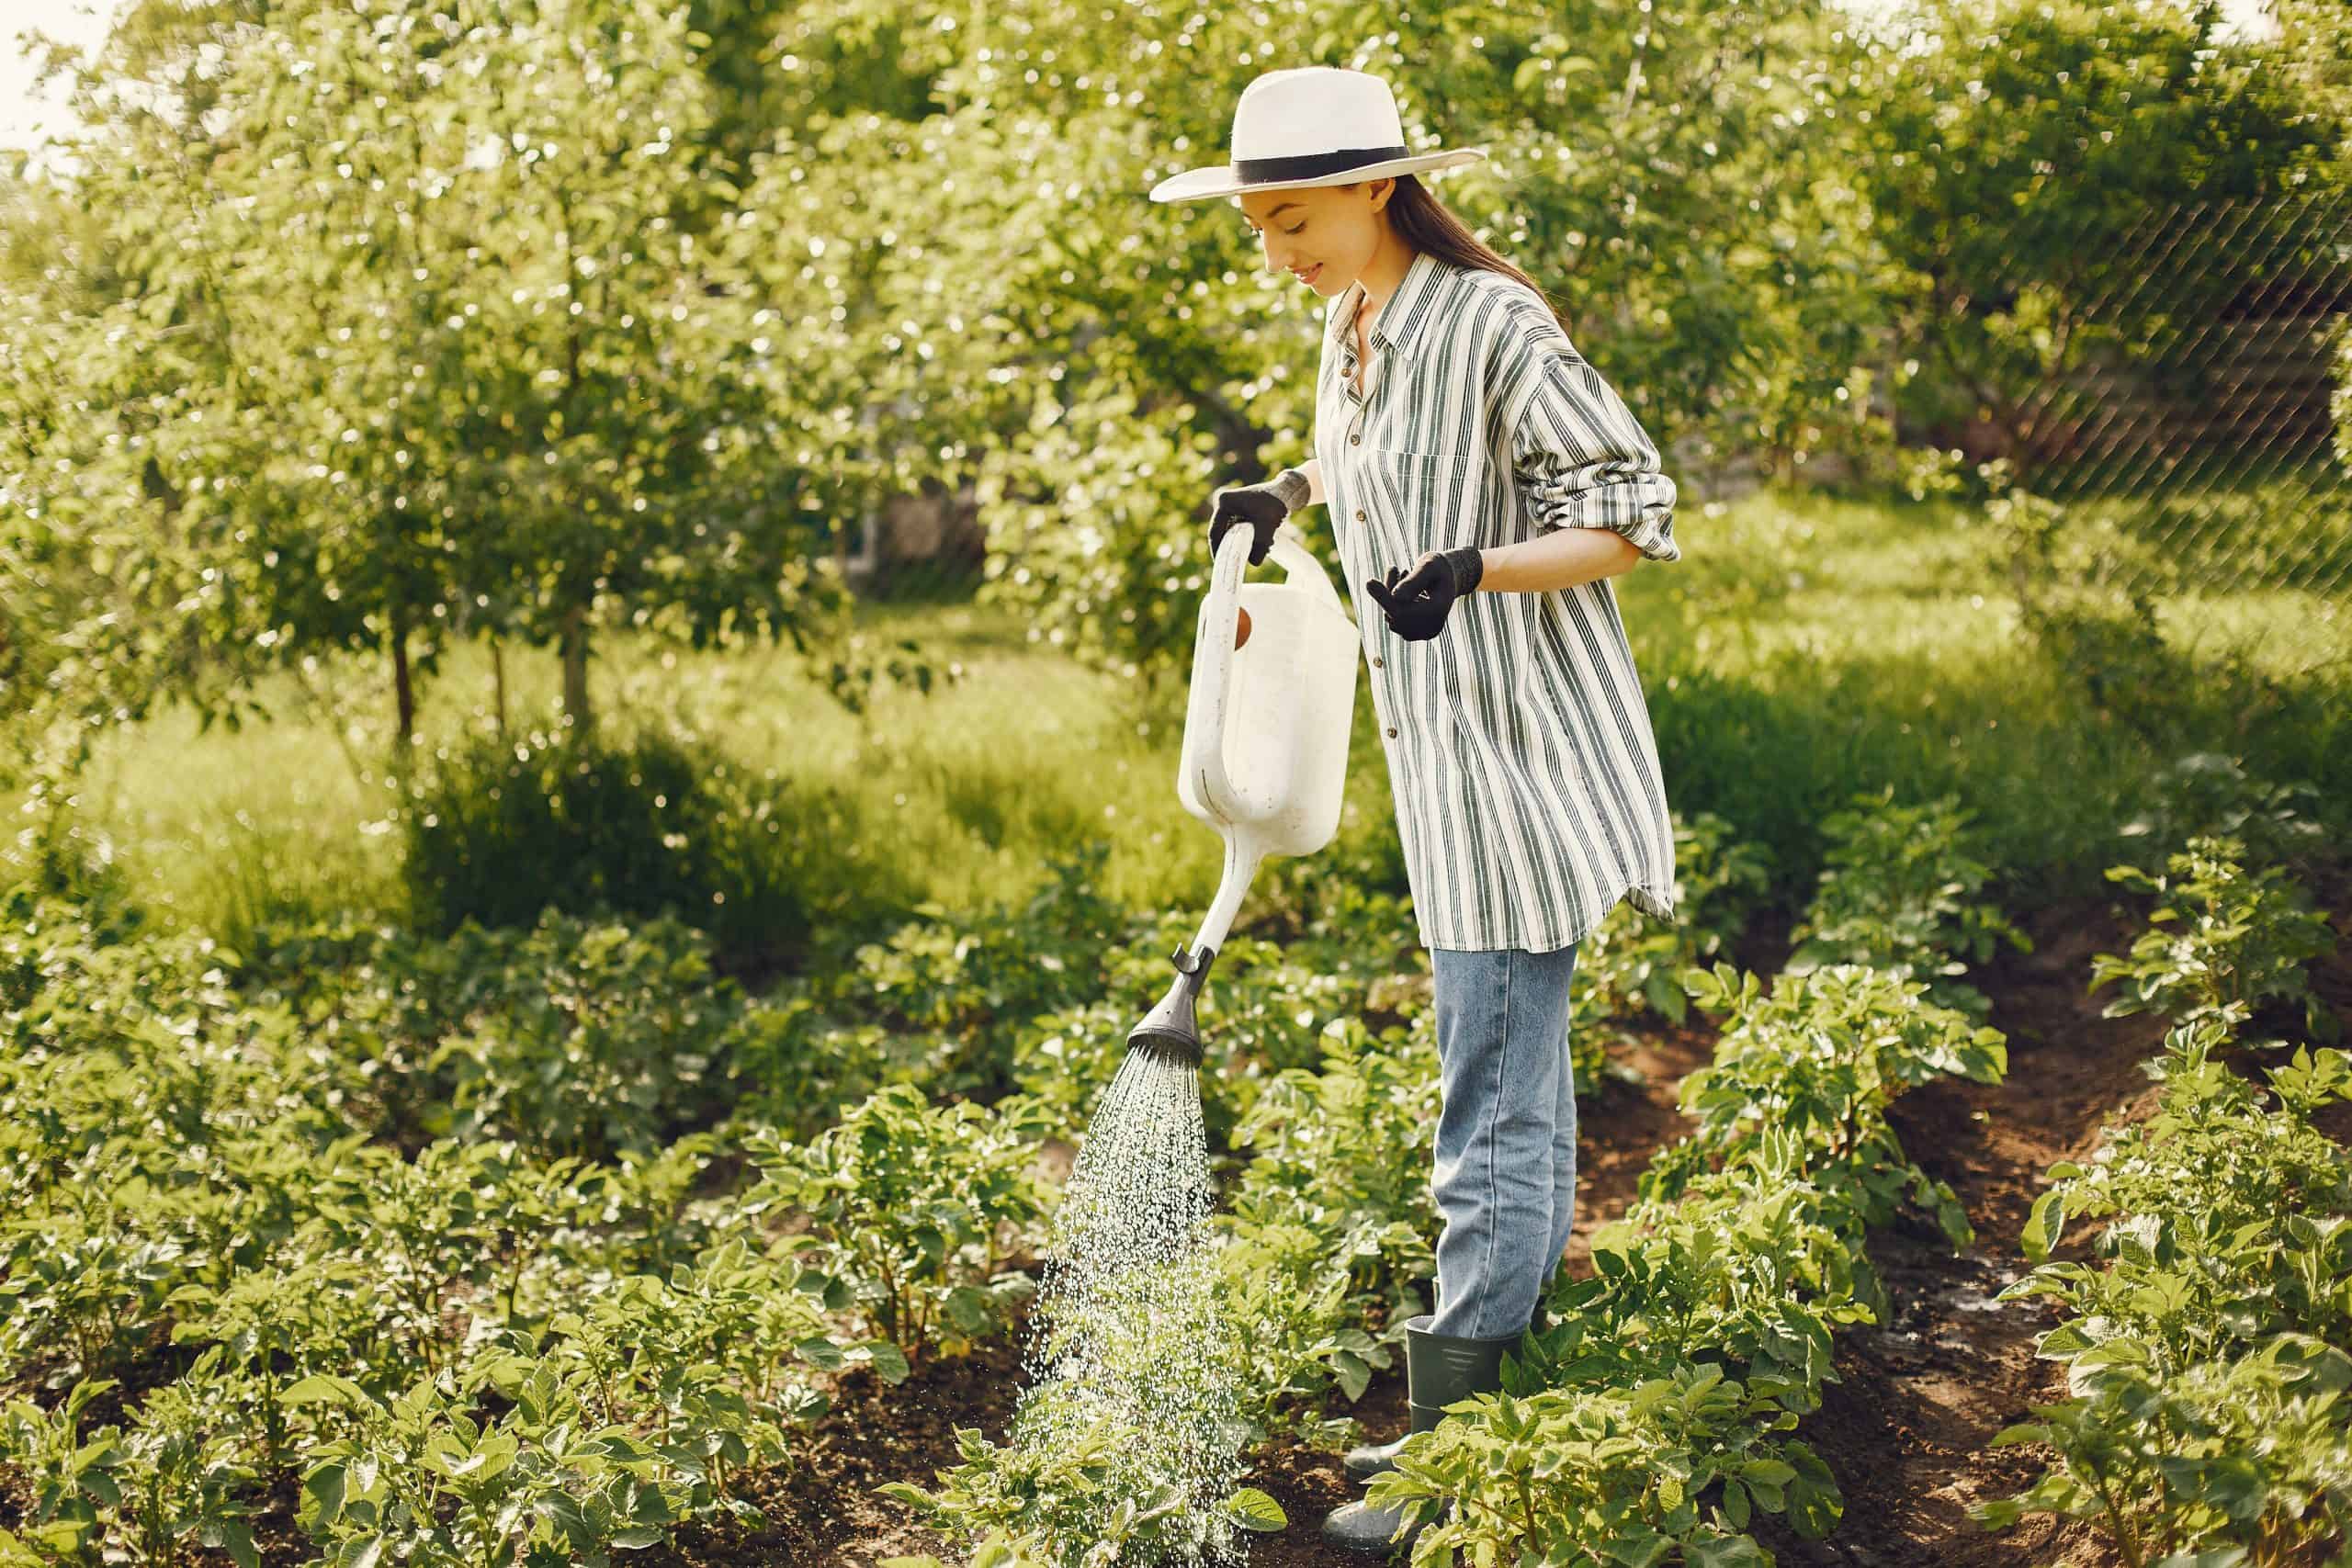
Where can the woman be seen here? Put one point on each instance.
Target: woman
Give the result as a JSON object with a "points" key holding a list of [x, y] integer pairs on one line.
{"points": [[1458, 431]]}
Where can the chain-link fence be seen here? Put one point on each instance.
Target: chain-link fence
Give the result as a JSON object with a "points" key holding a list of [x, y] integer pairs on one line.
{"points": [[2186, 415]]}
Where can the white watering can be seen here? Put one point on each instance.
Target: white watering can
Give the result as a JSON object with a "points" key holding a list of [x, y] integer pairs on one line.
{"points": [[1265, 741]]}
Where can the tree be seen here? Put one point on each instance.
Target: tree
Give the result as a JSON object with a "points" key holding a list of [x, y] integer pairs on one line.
{"points": [[2022, 165], [410, 337]]}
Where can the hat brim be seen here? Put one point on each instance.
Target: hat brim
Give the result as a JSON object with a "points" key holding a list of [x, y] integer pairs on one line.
{"points": [[1222, 179]]}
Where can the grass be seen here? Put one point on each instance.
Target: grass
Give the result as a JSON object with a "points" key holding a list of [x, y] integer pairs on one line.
{"points": [[1805, 649]]}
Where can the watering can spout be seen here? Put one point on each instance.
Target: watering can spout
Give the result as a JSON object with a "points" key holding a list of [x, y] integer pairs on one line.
{"points": [[1168, 1032]]}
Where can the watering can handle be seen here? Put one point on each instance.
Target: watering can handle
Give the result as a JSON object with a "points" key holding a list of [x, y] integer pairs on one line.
{"points": [[1213, 649]]}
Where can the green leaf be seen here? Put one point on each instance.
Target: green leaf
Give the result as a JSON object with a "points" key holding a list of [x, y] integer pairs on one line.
{"points": [[1253, 1510], [1730, 1551], [889, 1362], [2043, 1225], [326, 1485]]}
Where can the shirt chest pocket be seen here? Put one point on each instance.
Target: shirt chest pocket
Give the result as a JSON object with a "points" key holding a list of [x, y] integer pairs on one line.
{"points": [[1421, 501]]}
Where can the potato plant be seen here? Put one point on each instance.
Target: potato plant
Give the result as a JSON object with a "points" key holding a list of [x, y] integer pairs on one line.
{"points": [[1626, 966], [2206, 1368], [1655, 1412], [1900, 892], [2222, 939], [1345, 1151], [916, 1208], [1820, 1059]]}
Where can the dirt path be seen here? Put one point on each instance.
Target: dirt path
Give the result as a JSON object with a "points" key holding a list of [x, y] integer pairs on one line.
{"points": [[1904, 1430]]}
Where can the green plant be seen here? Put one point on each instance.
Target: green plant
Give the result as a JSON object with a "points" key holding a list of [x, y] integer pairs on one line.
{"points": [[182, 1480], [602, 1037], [69, 1479], [1673, 1463], [1818, 1061], [1899, 891], [1070, 1501], [2208, 794], [916, 1207], [1345, 1150], [422, 1481], [498, 830], [1627, 964], [2205, 1371], [2235, 938]]}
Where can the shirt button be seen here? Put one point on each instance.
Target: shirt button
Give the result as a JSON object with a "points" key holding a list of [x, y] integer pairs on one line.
{"points": [[1391, 732], [1355, 440], [1376, 662], [1358, 513]]}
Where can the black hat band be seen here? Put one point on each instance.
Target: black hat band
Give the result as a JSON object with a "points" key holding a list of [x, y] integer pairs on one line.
{"points": [[1259, 171]]}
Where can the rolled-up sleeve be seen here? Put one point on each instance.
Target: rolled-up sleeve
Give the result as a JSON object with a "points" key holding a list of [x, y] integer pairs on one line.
{"points": [[1579, 457]]}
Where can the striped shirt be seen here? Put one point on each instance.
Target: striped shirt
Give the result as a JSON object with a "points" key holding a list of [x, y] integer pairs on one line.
{"points": [[1529, 797]]}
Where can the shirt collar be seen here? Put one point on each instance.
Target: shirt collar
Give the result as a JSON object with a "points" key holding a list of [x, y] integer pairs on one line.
{"points": [[1407, 308]]}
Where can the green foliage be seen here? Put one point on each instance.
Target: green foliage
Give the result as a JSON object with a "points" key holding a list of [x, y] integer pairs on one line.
{"points": [[2205, 1366], [1649, 1419], [421, 1480], [572, 1036], [67, 1480], [1672, 1462], [1349, 898], [2208, 793], [2018, 162], [1345, 1150], [1070, 1502], [1819, 1060], [955, 991], [518, 392], [496, 831], [1627, 964], [182, 1481], [1899, 892], [915, 1207], [2223, 941]]}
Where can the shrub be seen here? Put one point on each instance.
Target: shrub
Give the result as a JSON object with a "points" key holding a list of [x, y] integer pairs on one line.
{"points": [[495, 832]]}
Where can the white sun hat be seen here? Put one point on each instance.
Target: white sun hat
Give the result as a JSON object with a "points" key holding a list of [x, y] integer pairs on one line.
{"points": [[1311, 125]]}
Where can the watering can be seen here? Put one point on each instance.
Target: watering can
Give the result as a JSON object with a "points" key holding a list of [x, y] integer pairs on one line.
{"points": [[1265, 757]]}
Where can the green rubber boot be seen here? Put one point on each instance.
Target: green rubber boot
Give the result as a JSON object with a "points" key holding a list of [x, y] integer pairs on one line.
{"points": [[1440, 1368], [1368, 1460]]}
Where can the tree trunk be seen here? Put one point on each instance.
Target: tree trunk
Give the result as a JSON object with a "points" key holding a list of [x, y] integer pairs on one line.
{"points": [[497, 681], [575, 668], [404, 693]]}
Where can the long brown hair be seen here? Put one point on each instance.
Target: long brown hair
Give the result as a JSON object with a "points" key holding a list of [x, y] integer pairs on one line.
{"points": [[1425, 223]]}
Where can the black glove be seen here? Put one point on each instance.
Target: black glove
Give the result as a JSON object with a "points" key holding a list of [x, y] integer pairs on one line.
{"points": [[1262, 506], [1417, 606]]}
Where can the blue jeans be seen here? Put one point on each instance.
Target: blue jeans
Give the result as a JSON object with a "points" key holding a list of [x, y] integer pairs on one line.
{"points": [[1505, 1180]]}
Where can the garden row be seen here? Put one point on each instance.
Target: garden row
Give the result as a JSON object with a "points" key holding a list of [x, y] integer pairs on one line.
{"points": [[2208, 1351], [1654, 1417], [1657, 1416], [525, 1246]]}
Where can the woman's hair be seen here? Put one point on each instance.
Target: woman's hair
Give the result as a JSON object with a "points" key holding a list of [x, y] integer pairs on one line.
{"points": [[1424, 222]]}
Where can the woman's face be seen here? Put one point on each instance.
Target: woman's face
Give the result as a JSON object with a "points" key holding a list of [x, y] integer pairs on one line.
{"points": [[1323, 235]]}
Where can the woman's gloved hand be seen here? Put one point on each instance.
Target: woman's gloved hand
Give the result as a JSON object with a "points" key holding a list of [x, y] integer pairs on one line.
{"points": [[1417, 606], [1262, 506]]}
